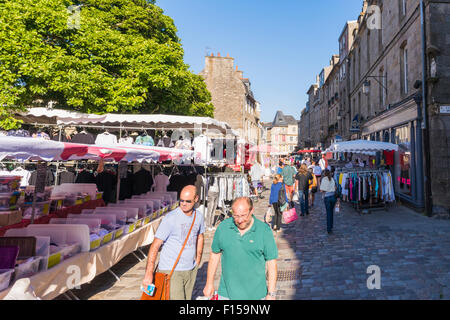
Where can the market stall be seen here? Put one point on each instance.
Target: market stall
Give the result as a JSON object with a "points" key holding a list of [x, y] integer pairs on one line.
{"points": [[366, 184], [80, 234]]}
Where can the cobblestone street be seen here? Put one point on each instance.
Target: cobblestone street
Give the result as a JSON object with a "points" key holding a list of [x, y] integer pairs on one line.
{"points": [[412, 252]]}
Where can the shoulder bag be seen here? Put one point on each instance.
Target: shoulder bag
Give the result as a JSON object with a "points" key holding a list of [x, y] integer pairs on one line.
{"points": [[162, 280]]}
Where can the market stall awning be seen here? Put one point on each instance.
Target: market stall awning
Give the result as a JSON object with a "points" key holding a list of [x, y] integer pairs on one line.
{"points": [[264, 148], [361, 146], [47, 150], [309, 151], [157, 121]]}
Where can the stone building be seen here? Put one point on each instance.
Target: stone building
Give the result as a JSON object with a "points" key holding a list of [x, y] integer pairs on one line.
{"points": [[345, 43], [304, 132], [282, 133], [330, 105], [383, 62], [232, 97]]}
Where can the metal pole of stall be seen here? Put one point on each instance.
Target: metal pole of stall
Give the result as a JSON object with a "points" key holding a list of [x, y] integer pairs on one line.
{"points": [[57, 163]]}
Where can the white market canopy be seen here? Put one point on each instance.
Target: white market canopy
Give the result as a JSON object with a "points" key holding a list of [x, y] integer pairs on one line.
{"points": [[157, 121], [23, 149], [361, 146]]}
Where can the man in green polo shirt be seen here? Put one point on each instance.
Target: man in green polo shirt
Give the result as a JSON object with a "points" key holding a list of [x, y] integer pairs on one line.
{"points": [[245, 245]]}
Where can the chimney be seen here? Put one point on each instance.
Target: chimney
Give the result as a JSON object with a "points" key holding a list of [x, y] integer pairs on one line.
{"points": [[228, 55], [212, 54], [218, 54]]}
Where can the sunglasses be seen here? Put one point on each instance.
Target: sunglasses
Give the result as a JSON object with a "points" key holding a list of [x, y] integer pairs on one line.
{"points": [[187, 201]]}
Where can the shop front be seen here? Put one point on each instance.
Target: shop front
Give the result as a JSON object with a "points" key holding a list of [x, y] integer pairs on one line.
{"points": [[399, 126]]}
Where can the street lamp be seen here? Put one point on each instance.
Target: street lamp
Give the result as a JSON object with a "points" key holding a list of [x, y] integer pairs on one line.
{"points": [[366, 84]]}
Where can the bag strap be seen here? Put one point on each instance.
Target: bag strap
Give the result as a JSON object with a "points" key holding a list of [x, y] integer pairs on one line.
{"points": [[184, 244]]}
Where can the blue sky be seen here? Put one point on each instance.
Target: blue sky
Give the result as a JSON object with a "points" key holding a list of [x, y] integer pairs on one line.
{"points": [[280, 45]]}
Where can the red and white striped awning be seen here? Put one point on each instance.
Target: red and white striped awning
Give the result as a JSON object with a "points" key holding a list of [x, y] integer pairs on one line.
{"points": [[22, 149]]}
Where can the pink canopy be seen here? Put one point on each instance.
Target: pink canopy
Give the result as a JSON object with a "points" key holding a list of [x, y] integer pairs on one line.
{"points": [[264, 148]]}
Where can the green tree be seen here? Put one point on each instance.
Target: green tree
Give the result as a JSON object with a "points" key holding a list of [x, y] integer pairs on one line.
{"points": [[105, 56]]}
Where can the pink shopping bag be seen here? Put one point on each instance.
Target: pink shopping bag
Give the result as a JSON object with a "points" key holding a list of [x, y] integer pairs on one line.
{"points": [[290, 216]]}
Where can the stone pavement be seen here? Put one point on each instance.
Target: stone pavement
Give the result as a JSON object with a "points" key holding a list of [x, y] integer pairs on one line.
{"points": [[411, 251]]}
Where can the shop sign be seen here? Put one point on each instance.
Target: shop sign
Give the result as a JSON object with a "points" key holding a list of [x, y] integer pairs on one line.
{"points": [[355, 124], [445, 109]]}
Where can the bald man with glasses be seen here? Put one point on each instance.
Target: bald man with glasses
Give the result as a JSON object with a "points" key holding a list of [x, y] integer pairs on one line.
{"points": [[171, 234]]}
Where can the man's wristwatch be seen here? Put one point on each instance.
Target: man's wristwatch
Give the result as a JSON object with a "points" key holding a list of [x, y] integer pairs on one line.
{"points": [[272, 294]]}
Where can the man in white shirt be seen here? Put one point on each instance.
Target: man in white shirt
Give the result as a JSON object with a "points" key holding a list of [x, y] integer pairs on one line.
{"points": [[323, 163]]}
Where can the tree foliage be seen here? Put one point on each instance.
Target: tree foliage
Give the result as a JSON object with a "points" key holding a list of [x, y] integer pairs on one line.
{"points": [[121, 56]]}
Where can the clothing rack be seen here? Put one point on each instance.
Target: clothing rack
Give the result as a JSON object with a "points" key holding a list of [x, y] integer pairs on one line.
{"points": [[115, 128], [373, 203]]}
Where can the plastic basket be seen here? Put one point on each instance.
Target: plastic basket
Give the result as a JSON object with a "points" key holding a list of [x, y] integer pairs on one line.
{"points": [[5, 278], [8, 256], [8, 201], [27, 269], [70, 251], [41, 208]]}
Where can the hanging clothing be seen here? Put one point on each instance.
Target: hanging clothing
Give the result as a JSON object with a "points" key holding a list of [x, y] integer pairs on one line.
{"points": [[126, 141], [106, 182], [18, 133], [161, 183], [202, 148], [25, 174], [82, 137], [389, 157], [106, 139], [126, 186], [178, 182], [165, 142], [85, 176], [142, 182], [65, 177], [145, 140], [41, 135], [49, 179], [200, 182]]}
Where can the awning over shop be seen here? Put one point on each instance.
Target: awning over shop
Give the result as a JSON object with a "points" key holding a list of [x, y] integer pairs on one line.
{"points": [[361, 146], [47, 150]]}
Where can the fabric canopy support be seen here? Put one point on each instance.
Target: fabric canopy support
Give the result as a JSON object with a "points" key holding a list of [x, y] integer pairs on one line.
{"points": [[361, 146], [23, 149], [156, 121]]}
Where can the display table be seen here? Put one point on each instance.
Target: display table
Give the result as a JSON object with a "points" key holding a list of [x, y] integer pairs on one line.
{"points": [[51, 283], [57, 214]]}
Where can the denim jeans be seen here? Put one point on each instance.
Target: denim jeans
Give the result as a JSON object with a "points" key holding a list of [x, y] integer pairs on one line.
{"points": [[303, 201], [330, 202]]}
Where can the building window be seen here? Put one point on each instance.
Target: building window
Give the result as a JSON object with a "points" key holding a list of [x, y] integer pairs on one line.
{"points": [[402, 137], [404, 70]]}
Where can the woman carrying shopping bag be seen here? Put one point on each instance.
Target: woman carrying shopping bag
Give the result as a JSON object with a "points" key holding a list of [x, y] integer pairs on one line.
{"points": [[328, 187], [277, 200]]}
